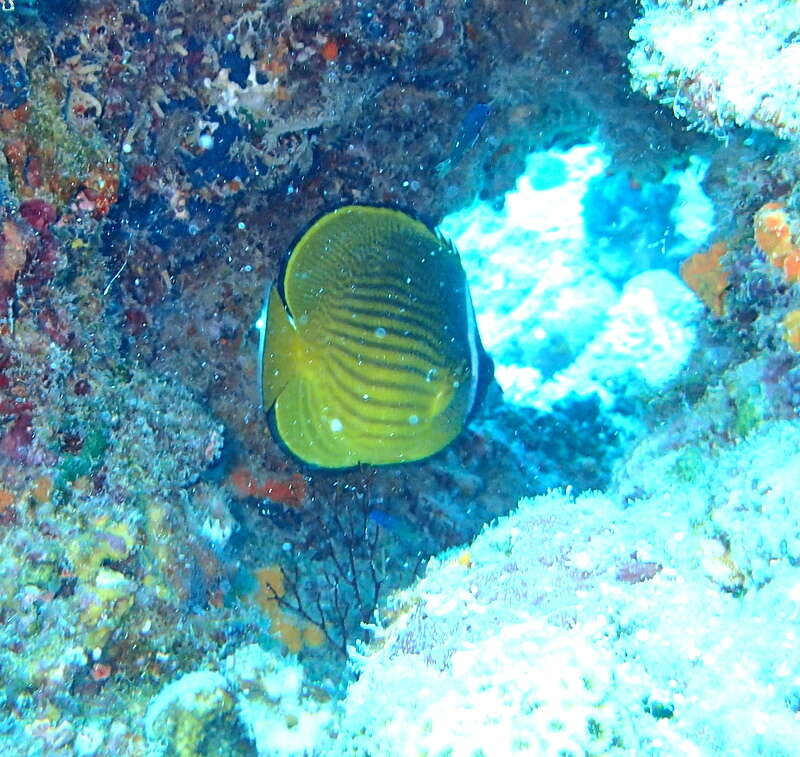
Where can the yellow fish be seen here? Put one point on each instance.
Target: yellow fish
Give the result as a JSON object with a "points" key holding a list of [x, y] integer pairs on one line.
{"points": [[369, 351]]}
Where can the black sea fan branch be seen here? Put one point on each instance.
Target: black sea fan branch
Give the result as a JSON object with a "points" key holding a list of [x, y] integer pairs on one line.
{"points": [[338, 569]]}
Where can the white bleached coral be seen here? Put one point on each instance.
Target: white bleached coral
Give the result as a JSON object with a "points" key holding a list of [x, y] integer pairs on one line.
{"points": [[549, 313], [647, 338], [598, 626], [254, 100], [529, 689], [721, 64], [255, 695]]}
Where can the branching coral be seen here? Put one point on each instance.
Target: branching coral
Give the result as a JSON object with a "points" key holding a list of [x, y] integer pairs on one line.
{"points": [[334, 575]]}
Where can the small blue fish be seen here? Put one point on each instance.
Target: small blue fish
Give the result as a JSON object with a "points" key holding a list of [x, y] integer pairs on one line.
{"points": [[402, 529], [468, 134]]}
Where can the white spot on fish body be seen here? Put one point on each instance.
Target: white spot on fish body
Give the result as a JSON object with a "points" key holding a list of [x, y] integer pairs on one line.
{"points": [[413, 419], [380, 332], [336, 425]]}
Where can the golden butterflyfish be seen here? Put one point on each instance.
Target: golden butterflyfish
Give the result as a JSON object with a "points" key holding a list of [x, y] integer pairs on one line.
{"points": [[369, 350]]}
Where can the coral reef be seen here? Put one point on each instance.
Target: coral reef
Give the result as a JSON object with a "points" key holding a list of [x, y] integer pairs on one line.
{"points": [[721, 64], [157, 158], [569, 303], [172, 583], [252, 705], [601, 624]]}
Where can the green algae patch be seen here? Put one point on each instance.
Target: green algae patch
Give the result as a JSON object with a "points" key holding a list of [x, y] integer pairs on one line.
{"points": [[748, 415], [689, 465], [84, 463]]}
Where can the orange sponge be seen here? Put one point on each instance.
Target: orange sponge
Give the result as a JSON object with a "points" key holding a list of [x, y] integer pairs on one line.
{"points": [[774, 236], [704, 275]]}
